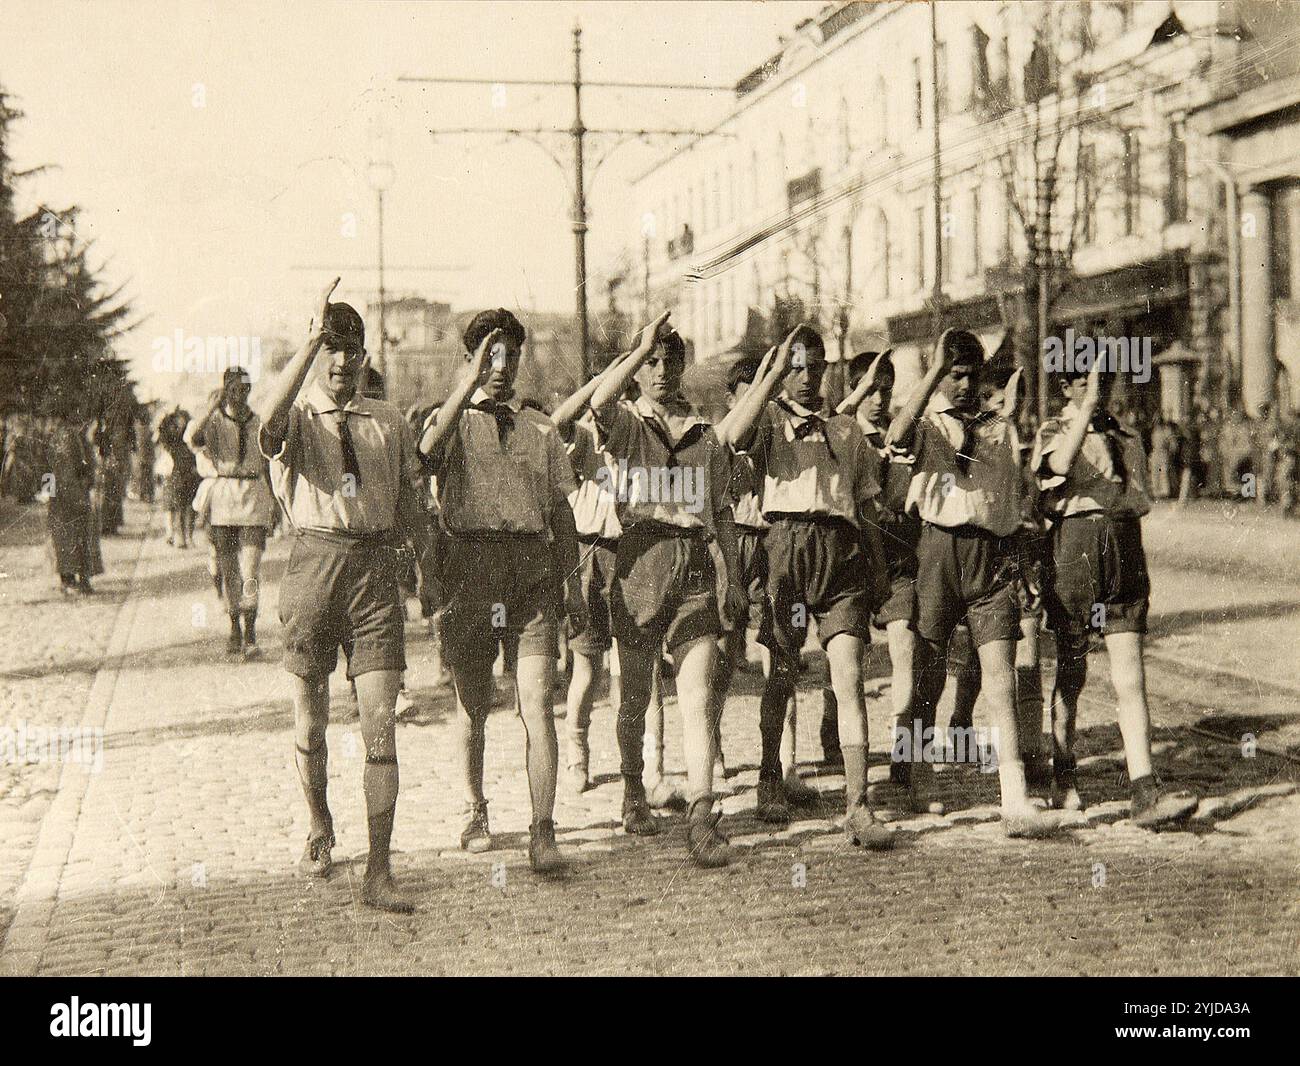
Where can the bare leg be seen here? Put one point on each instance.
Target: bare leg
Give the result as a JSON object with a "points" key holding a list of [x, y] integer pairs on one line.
{"points": [[535, 678], [581, 698], [1128, 675], [376, 699], [474, 688], [311, 709], [695, 663]]}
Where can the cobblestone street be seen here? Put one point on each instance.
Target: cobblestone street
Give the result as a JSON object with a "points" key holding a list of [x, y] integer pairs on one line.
{"points": [[178, 857]]}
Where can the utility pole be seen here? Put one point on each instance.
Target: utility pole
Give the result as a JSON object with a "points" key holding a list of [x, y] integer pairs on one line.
{"points": [[937, 297], [578, 134], [580, 206]]}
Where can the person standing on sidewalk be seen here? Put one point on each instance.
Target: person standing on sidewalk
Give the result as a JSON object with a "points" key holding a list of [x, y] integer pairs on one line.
{"points": [[968, 490], [346, 472], [66, 484], [1093, 474], [817, 489], [672, 499], [510, 554], [240, 506]]}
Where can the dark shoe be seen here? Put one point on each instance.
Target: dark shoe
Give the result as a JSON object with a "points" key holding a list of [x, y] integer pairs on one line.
{"points": [[1027, 822], [251, 650], [900, 773], [708, 847], [1156, 806], [1038, 771], [316, 861], [235, 642], [1065, 787], [798, 794], [83, 587], [379, 891], [637, 819], [862, 828], [543, 854], [476, 837], [771, 806]]}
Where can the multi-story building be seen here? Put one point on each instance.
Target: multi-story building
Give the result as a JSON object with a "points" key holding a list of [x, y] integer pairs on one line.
{"points": [[819, 186]]}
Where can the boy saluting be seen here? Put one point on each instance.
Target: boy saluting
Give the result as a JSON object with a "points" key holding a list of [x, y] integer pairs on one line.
{"points": [[503, 486], [817, 489], [967, 489], [1093, 474], [346, 471], [671, 501]]}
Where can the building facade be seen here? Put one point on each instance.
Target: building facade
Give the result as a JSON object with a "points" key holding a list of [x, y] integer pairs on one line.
{"points": [[1081, 121]]}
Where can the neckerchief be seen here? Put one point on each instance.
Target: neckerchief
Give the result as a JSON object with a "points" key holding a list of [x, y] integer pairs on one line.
{"points": [[805, 426]]}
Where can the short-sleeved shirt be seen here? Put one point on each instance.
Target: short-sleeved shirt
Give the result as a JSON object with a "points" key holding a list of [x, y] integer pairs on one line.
{"points": [[988, 492], [1093, 483], [239, 496], [671, 467], [595, 511], [808, 464], [307, 469], [495, 477]]}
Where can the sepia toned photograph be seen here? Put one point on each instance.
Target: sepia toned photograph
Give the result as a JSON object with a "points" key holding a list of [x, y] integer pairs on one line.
{"points": [[685, 489]]}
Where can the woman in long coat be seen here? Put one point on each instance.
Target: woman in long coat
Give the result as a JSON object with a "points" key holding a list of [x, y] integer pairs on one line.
{"points": [[73, 523]]}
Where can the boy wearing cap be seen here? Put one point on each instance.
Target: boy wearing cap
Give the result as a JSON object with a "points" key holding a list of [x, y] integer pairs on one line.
{"points": [[1093, 473], [509, 547], [967, 490], [817, 489], [751, 550], [240, 507], [672, 500], [347, 475]]}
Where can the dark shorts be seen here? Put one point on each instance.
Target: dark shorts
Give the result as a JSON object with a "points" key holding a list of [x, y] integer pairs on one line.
{"points": [[664, 589], [751, 550], [342, 591], [497, 590], [898, 537], [597, 560], [1099, 577], [966, 573], [816, 569], [232, 538]]}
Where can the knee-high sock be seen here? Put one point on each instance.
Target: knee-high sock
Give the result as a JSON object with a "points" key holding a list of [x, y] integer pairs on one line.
{"points": [[380, 786], [855, 774], [541, 756], [313, 772], [771, 722]]}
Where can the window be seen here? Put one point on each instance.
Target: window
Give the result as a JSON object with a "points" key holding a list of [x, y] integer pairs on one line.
{"points": [[1132, 178], [886, 256], [1176, 197], [918, 95], [976, 250], [948, 223], [941, 76], [920, 247], [1088, 193]]}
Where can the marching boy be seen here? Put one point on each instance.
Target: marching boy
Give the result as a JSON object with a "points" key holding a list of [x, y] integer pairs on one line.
{"points": [[967, 490], [671, 501], [817, 490], [509, 548], [345, 470], [1093, 474]]}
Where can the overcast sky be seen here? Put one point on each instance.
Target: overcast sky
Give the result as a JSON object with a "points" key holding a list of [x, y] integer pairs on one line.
{"points": [[214, 147]]}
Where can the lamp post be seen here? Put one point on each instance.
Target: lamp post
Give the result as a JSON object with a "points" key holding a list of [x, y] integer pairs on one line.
{"points": [[381, 175]]}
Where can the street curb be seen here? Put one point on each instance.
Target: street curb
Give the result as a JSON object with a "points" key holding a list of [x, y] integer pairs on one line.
{"points": [[24, 943]]}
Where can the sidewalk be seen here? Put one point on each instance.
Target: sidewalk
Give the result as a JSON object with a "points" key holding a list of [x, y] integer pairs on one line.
{"points": [[179, 857]]}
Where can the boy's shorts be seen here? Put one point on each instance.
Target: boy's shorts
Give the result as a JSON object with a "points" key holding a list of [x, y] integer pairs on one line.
{"points": [[498, 589], [966, 572], [341, 590], [596, 555], [1100, 579], [664, 589], [816, 569], [898, 537], [232, 538], [751, 548]]}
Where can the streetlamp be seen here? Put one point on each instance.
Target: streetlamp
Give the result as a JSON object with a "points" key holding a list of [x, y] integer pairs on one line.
{"points": [[381, 175]]}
